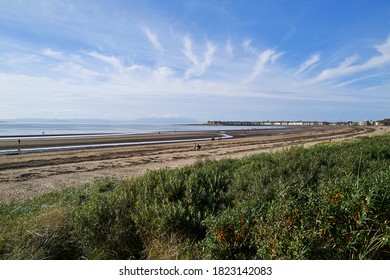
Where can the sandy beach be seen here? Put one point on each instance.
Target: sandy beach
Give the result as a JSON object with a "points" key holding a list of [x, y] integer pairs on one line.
{"points": [[23, 176]]}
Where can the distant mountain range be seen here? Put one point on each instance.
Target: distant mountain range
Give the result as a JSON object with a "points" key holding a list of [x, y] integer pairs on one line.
{"points": [[140, 120]]}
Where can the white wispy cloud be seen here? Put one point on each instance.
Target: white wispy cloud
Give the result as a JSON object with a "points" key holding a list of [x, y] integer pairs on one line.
{"points": [[163, 72], [263, 58], [229, 48], [199, 66], [359, 79], [53, 54], [13, 59], [347, 67], [246, 44], [76, 72], [267, 57], [188, 50], [112, 60], [309, 64], [153, 38]]}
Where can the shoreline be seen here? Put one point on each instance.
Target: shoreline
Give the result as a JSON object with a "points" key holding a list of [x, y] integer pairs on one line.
{"points": [[24, 176], [33, 144], [150, 128], [100, 146], [211, 129]]}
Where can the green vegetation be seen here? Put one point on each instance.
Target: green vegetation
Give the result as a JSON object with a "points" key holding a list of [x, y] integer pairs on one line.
{"points": [[330, 201]]}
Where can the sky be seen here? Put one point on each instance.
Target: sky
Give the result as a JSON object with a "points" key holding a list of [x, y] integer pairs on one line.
{"points": [[205, 60]]}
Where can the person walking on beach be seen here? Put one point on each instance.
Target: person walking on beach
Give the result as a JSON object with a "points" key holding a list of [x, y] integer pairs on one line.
{"points": [[197, 147], [19, 145]]}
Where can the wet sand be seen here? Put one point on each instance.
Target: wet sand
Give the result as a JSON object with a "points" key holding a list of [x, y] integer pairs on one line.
{"points": [[36, 142], [25, 175], [15, 144]]}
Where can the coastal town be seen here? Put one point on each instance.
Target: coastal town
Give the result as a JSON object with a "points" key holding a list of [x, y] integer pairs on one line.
{"points": [[384, 122]]}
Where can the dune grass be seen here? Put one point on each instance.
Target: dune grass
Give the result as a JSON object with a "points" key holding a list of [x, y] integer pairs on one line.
{"points": [[330, 201]]}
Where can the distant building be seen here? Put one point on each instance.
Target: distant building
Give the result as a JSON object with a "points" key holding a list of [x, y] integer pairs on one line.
{"points": [[366, 123], [290, 123], [385, 122]]}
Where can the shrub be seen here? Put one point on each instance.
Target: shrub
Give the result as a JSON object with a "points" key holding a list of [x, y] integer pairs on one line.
{"points": [[330, 201]]}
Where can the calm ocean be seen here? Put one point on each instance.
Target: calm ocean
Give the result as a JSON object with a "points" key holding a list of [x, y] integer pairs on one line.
{"points": [[47, 129]]}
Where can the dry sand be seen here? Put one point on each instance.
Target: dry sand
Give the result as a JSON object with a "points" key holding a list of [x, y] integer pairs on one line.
{"points": [[26, 175]]}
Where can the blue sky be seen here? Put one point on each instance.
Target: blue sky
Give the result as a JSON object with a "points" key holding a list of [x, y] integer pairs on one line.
{"points": [[205, 60]]}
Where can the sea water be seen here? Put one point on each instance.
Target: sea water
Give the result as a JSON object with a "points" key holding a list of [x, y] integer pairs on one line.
{"points": [[9, 129], [25, 129]]}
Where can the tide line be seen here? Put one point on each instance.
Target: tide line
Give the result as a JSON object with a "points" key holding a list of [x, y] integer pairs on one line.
{"points": [[97, 146]]}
